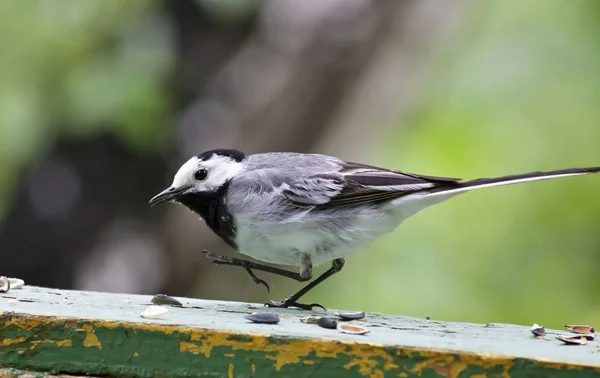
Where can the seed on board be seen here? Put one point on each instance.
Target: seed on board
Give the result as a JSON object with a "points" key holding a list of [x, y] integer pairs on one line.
{"points": [[572, 340], [16, 283], [590, 336], [263, 317], [4, 284], [580, 328], [328, 323], [351, 315], [538, 330], [153, 312], [352, 328], [165, 300], [310, 319]]}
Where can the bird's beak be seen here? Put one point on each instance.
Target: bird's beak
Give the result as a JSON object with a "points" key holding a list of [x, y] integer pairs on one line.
{"points": [[166, 195]]}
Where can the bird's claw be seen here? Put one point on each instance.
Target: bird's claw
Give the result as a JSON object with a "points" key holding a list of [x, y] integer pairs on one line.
{"points": [[264, 283], [290, 303], [257, 280], [217, 260]]}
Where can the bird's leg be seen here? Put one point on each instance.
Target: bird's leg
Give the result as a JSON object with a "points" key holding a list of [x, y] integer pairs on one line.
{"points": [[290, 301], [249, 265]]}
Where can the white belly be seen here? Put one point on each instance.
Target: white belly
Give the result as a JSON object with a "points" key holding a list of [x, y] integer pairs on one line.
{"points": [[323, 239]]}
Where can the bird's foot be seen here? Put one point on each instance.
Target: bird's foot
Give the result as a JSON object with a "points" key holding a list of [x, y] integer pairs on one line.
{"points": [[288, 302]]}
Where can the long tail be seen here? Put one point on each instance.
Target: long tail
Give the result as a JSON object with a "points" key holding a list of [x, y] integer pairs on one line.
{"points": [[507, 180]]}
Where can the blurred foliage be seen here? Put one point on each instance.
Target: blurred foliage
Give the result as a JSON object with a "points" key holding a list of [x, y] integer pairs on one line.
{"points": [[515, 91], [75, 68], [230, 11]]}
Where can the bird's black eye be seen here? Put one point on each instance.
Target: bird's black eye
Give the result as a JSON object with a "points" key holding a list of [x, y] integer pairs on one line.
{"points": [[201, 174]]}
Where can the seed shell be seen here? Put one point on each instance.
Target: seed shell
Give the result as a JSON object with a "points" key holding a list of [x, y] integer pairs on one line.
{"points": [[328, 323], [166, 300], [263, 317], [16, 283], [153, 312], [538, 330], [572, 340], [580, 328], [352, 328], [4, 284], [351, 315], [310, 319]]}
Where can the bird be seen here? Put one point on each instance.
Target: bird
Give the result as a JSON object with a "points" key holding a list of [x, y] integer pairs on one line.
{"points": [[306, 209]]}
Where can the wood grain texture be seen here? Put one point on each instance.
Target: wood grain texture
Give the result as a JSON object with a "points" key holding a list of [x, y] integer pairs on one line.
{"points": [[87, 333]]}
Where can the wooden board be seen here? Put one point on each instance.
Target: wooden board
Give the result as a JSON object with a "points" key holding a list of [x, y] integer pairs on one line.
{"points": [[88, 333]]}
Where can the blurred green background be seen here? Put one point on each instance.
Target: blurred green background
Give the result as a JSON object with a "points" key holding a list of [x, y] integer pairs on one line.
{"points": [[510, 87]]}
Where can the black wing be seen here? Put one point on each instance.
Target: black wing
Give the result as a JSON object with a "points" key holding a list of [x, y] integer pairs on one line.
{"points": [[359, 184]]}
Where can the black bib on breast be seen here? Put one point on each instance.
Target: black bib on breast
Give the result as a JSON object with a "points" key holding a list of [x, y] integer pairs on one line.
{"points": [[212, 208]]}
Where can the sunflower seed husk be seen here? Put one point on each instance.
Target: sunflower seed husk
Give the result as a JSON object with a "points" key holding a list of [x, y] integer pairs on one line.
{"points": [[328, 323], [572, 340], [154, 312], [350, 315], [310, 319], [163, 299], [538, 330], [352, 328], [16, 283], [263, 317], [580, 328], [590, 336], [4, 285]]}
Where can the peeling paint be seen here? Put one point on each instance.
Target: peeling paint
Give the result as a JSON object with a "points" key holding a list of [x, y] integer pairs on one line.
{"points": [[103, 347], [12, 341], [90, 338], [64, 343]]}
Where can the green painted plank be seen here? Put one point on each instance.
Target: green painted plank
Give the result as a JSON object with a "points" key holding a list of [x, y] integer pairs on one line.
{"points": [[74, 332]]}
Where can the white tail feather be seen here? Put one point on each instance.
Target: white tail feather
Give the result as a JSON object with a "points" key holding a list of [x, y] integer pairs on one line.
{"points": [[472, 185]]}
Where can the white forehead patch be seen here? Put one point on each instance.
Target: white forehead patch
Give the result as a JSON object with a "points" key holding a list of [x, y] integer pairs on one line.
{"points": [[185, 174], [220, 169]]}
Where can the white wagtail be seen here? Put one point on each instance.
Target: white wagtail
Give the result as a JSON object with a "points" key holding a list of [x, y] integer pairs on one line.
{"points": [[304, 209]]}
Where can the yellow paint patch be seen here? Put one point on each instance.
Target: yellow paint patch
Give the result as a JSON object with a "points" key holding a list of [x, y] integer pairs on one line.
{"points": [[26, 322], [308, 362], [60, 343], [91, 340], [136, 354], [18, 340], [186, 346], [65, 343], [228, 354], [230, 371]]}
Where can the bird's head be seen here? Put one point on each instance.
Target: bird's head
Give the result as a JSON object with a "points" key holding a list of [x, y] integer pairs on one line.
{"points": [[202, 176]]}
